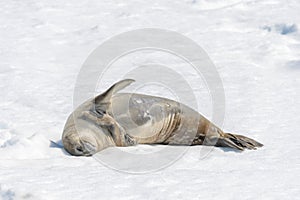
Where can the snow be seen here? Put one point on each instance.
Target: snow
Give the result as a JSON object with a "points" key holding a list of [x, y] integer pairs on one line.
{"points": [[254, 45]]}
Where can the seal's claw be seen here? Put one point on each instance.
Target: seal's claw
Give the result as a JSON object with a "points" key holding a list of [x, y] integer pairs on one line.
{"points": [[130, 140]]}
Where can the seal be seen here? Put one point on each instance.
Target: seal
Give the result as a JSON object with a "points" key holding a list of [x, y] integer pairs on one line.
{"points": [[126, 119]]}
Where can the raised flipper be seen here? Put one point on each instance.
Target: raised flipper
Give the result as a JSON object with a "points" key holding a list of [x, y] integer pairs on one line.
{"points": [[103, 101], [100, 115]]}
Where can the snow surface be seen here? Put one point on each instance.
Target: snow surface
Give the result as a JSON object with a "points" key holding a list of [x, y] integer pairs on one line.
{"points": [[255, 45]]}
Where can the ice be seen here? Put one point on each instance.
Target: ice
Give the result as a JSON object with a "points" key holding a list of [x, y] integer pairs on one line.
{"points": [[255, 46]]}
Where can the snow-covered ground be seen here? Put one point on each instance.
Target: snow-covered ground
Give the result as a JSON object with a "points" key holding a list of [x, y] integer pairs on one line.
{"points": [[255, 45]]}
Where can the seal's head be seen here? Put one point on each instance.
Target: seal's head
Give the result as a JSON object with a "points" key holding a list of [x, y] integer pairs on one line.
{"points": [[90, 128], [80, 145]]}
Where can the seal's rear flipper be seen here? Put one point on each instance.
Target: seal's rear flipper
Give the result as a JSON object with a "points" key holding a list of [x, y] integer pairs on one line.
{"points": [[237, 142]]}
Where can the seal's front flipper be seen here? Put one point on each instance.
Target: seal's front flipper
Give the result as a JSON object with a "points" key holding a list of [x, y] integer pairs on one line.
{"points": [[239, 142]]}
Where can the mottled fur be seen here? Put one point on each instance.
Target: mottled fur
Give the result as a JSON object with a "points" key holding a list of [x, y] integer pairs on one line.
{"points": [[123, 119]]}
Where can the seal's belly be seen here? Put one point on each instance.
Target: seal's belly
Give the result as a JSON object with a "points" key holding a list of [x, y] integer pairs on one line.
{"points": [[148, 119]]}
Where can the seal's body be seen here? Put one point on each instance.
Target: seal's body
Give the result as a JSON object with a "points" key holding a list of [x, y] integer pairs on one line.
{"points": [[124, 119]]}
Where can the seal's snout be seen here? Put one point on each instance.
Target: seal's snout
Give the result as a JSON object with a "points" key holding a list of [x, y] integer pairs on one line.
{"points": [[88, 148], [83, 149], [79, 146]]}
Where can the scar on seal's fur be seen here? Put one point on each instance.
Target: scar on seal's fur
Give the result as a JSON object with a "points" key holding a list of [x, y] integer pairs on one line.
{"points": [[125, 119]]}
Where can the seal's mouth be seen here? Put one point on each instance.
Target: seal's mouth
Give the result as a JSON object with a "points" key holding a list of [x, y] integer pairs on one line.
{"points": [[90, 149]]}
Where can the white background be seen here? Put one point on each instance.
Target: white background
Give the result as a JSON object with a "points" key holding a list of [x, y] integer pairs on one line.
{"points": [[255, 46]]}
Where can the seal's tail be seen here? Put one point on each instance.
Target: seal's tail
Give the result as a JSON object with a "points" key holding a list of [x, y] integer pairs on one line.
{"points": [[237, 142]]}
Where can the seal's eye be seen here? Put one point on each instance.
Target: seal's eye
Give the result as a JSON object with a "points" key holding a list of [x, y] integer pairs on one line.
{"points": [[79, 149]]}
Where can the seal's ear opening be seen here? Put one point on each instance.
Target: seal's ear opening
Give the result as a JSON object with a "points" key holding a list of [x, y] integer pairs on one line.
{"points": [[103, 100]]}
